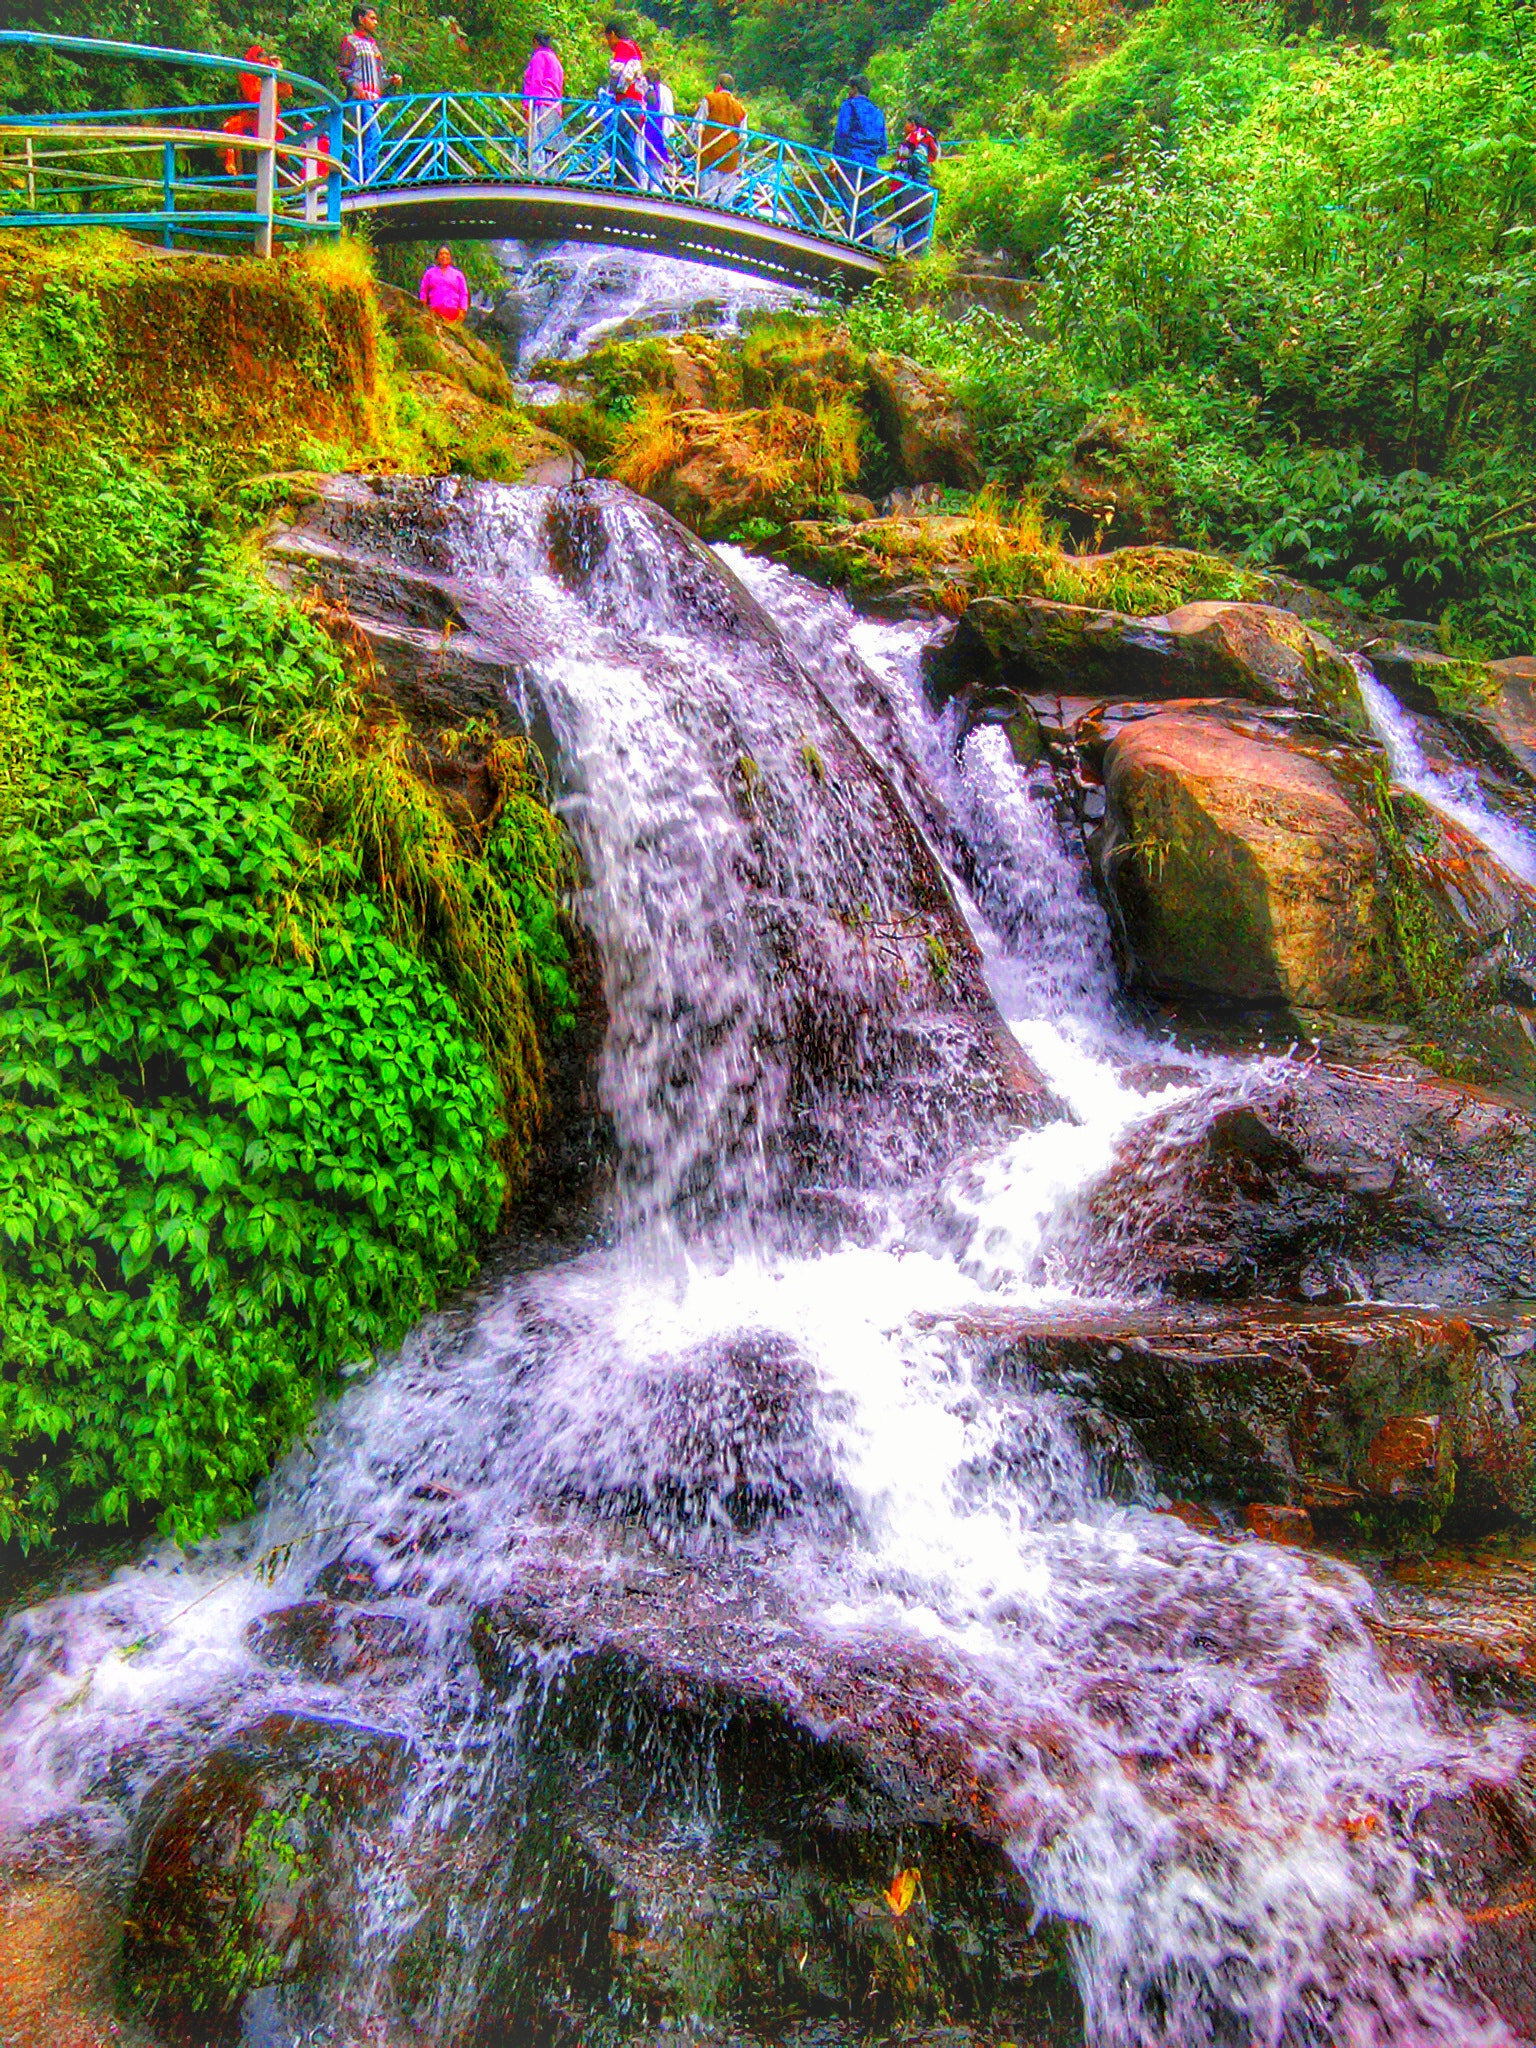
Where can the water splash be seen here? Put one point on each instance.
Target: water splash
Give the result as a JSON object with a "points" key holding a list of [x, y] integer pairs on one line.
{"points": [[1453, 792], [1201, 1764]]}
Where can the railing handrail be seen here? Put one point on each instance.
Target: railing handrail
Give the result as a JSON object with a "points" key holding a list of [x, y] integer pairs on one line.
{"points": [[203, 60], [355, 154], [570, 104]]}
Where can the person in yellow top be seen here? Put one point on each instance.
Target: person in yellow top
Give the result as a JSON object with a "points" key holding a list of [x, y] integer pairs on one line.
{"points": [[721, 119]]}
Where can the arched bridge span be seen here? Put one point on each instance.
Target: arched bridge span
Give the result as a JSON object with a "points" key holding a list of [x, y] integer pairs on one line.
{"points": [[287, 161]]}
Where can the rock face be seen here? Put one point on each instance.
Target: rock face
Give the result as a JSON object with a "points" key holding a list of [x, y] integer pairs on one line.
{"points": [[1238, 866], [1324, 1183], [923, 425], [1393, 1416], [1256, 653], [247, 1870], [851, 1881]]}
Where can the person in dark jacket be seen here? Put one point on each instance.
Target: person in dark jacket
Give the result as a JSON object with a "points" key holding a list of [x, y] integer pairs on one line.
{"points": [[360, 67], [858, 144]]}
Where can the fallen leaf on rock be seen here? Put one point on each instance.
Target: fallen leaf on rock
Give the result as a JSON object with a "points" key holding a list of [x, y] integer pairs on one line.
{"points": [[903, 1890]]}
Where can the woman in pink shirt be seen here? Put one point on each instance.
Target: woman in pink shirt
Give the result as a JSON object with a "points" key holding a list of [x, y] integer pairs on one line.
{"points": [[444, 290], [543, 89]]}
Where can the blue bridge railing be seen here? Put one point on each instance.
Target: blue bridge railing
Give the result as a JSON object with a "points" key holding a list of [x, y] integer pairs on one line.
{"points": [[278, 163], [479, 138]]}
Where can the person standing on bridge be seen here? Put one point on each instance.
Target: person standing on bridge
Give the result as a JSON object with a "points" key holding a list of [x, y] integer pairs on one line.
{"points": [[444, 289], [915, 159], [363, 79], [544, 90], [722, 121], [660, 107], [858, 145], [626, 81]]}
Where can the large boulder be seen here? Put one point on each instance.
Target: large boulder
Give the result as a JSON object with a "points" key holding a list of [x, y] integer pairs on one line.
{"points": [[1395, 1415], [1210, 647], [923, 425], [250, 1862], [1321, 1183], [1240, 866], [834, 1879], [1510, 715]]}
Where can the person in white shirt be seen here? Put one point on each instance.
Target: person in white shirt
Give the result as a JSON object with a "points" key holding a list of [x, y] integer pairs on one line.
{"points": [[656, 155]]}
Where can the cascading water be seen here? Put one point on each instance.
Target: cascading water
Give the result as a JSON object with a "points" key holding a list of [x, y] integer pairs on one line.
{"points": [[570, 299], [1454, 792], [832, 1169]]}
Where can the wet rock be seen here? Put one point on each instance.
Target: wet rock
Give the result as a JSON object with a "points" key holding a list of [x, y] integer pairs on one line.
{"points": [[1481, 1849], [1309, 1410], [1511, 714], [787, 1905], [1406, 1460], [1255, 653], [1239, 866], [331, 1641], [1292, 1526], [924, 426], [732, 1438], [1321, 1179], [249, 1861], [377, 556], [57, 1951], [1466, 1613]]}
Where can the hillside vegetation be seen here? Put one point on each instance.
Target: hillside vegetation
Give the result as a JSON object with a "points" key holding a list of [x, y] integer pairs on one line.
{"points": [[270, 1014]]}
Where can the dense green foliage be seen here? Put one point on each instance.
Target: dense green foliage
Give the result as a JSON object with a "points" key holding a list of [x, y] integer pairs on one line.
{"points": [[269, 1015], [483, 43], [1290, 315]]}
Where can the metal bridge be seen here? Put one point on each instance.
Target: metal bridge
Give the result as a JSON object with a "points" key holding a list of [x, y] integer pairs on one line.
{"points": [[288, 160]]}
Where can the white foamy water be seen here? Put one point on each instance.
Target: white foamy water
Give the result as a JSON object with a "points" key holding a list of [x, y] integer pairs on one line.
{"points": [[1453, 792], [1201, 1764], [577, 296]]}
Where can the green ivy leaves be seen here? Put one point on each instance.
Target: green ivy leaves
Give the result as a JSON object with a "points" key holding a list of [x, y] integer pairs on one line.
{"points": [[223, 1164]]}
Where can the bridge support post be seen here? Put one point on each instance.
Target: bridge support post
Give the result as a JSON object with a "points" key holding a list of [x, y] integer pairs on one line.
{"points": [[266, 164], [333, 178], [168, 194]]}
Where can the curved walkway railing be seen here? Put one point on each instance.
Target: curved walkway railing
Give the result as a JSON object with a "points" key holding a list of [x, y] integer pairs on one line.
{"points": [[477, 138], [278, 166], [232, 170]]}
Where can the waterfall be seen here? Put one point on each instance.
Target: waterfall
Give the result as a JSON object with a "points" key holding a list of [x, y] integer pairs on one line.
{"points": [[1454, 792], [570, 299], [864, 1064]]}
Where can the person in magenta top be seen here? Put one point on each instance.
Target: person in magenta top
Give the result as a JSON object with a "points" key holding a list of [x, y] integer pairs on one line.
{"points": [[444, 289], [544, 78], [543, 89]]}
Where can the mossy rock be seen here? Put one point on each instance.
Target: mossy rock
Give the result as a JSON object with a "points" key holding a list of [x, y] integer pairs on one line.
{"points": [[247, 1866]]}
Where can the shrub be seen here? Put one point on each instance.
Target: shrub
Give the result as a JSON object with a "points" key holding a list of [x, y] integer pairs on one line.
{"points": [[269, 1050], [1007, 196]]}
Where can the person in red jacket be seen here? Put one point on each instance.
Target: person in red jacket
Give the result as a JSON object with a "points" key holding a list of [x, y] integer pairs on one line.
{"points": [[244, 123], [626, 81]]}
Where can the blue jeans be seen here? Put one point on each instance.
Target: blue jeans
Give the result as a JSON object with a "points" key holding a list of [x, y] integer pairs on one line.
{"points": [[628, 119], [365, 159]]}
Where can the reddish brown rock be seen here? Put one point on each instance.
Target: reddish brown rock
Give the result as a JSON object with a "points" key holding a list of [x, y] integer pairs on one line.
{"points": [[247, 1875], [924, 426], [1193, 1516], [1241, 866], [1291, 1526], [1406, 1458]]}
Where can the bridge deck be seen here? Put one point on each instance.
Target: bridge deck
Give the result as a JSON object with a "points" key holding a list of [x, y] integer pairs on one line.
{"points": [[539, 212]]}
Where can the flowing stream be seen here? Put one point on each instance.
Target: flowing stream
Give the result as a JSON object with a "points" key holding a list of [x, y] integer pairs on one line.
{"points": [[570, 299], [825, 1165], [1454, 792]]}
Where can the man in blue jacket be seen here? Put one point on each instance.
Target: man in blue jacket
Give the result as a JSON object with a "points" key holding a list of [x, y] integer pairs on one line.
{"points": [[858, 145]]}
